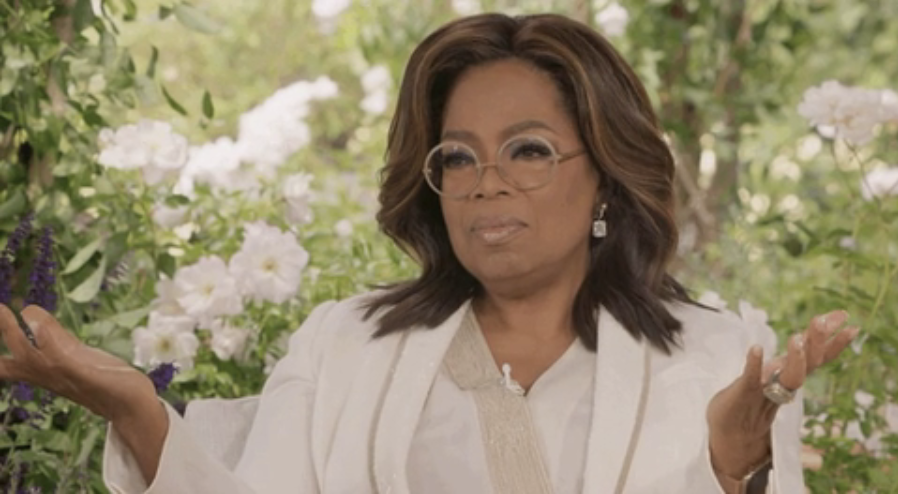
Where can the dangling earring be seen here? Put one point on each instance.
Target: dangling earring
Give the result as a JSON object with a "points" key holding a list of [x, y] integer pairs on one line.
{"points": [[599, 227]]}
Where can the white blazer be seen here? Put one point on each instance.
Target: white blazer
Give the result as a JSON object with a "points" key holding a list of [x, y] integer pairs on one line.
{"points": [[338, 413]]}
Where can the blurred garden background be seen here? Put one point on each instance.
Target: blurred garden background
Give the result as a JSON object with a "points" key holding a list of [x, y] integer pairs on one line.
{"points": [[180, 183]]}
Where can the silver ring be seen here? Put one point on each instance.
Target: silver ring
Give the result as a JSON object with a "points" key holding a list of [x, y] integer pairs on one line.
{"points": [[776, 392]]}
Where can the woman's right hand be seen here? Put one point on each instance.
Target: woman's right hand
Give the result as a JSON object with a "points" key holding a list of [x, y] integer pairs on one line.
{"points": [[62, 364]]}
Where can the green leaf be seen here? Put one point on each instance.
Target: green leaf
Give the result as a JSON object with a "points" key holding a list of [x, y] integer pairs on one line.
{"points": [[176, 200], [208, 108], [116, 247], [88, 289], [164, 12], [82, 256], [14, 205], [8, 79], [82, 15], [131, 318], [173, 103], [98, 329], [195, 19], [130, 10], [87, 445], [146, 90], [108, 49], [166, 264], [151, 67]]}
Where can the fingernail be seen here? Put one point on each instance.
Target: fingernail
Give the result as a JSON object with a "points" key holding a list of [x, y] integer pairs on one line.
{"points": [[799, 342]]}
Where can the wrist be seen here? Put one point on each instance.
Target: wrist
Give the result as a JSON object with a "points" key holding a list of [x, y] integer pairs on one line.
{"points": [[136, 405], [737, 462], [750, 483]]}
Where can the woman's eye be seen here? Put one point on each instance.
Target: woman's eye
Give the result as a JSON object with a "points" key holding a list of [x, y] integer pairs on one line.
{"points": [[457, 160], [531, 150]]}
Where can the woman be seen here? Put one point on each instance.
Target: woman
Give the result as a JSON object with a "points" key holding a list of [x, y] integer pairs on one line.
{"points": [[543, 347]]}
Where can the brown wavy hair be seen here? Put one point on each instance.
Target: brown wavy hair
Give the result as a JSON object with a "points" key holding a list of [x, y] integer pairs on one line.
{"points": [[628, 269]]}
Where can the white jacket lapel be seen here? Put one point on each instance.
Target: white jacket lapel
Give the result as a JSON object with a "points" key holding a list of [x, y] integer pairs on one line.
{"points": [[417, 365], [620, 369]]}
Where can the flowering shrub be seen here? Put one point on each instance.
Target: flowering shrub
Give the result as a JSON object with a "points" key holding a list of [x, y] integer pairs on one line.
{"points": [[192, 238], [835, 251]]}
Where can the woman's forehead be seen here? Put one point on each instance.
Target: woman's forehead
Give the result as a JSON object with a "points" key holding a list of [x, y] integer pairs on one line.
{"points": [[504, 98]]}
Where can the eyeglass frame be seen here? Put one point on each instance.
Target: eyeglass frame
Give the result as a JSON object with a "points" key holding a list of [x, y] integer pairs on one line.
{"points": [[481, 167]]}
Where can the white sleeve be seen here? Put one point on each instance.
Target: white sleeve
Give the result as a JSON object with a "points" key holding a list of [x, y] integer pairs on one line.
{"points": [[250, 446], [787, 474]]}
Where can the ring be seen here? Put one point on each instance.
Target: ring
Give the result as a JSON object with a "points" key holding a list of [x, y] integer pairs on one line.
{"points": [[776, 392]]}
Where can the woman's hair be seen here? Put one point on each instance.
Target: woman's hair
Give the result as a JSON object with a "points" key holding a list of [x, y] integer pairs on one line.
{"points": [[628, 268]]}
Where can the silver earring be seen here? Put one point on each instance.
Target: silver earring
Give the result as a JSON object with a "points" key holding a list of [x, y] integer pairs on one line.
{"points": [[599, 226]]}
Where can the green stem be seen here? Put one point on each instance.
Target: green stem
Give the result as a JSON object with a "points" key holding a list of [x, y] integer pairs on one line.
{"points": [[884, 287]]}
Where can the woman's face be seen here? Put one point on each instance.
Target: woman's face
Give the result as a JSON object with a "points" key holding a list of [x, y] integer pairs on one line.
{"points": [[500, 234]]}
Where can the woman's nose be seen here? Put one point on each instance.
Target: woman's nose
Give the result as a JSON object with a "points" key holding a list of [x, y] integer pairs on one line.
{"points": [[491, 182]]}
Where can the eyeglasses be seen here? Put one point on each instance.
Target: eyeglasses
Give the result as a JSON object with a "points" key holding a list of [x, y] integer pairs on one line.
{"points": [[525, 162]]}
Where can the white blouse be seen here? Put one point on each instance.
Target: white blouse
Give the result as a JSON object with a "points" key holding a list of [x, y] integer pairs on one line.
{"points": [[447, 455]]}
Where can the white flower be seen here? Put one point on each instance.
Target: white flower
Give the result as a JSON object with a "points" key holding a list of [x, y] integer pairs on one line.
{"points": [[712, 299], [873, 443], [376, 82], [166, 301], [207, 289], [297, 193], [227, 341], [881, 182], [889, 109], [216, 164], [848, 243], [343, 228], [836, 110], [612, 20], [165, 339], [149, 145], [269, 264], [328, 9], [376, 78], [167, 217], [375, 103], [466, 7], [271, 132]]}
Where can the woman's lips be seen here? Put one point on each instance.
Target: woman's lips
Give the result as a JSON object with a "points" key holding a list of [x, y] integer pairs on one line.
{"points": [[496, 229]]}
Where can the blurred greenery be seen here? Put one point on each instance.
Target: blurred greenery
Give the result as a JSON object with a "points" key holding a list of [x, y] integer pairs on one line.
{"points": [[766, 204]]}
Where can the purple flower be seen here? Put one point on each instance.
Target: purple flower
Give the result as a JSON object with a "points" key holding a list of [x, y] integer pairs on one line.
{"points": [[22, 392], [8, 255], [19, 414], [162, 376], [42, 274]]}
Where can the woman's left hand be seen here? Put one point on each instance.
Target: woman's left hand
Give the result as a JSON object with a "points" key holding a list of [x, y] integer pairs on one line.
{"points": [[740, 416]]}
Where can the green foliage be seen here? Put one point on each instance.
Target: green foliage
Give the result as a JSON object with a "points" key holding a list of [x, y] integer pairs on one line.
{"points": [[725, 77]]}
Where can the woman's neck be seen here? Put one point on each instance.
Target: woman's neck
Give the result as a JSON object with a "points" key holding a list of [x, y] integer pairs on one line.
{"points": [[543, 314]]}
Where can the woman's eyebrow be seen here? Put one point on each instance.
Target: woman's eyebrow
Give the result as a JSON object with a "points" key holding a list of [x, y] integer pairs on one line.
{"points": [[508, 132]]}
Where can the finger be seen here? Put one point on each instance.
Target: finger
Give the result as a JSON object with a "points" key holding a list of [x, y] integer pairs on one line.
{"points": [[12, 334], [818, 335], [771, 367], [795, 369], [754, 366], [839, 342], [44, 327]]}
